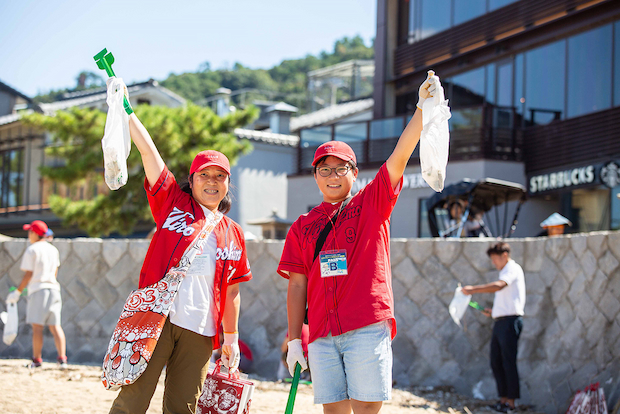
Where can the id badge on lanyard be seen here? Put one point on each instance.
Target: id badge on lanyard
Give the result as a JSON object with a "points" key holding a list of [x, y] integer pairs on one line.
{"points": [[333, 263]]}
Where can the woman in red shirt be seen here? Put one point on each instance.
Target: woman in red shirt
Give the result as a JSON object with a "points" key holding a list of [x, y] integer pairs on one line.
{"points": [[208, 295]]}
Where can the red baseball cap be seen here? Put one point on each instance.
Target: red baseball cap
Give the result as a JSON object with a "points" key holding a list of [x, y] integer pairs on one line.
{"points": [[336, 149], [208, 158], [37, 226]]}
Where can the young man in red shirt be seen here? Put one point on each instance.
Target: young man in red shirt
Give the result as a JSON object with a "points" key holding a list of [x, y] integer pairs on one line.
{"points": [[346, 281]]}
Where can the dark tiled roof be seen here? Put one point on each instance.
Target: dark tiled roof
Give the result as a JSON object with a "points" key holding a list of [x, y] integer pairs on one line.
{"points": [[12, 91]]}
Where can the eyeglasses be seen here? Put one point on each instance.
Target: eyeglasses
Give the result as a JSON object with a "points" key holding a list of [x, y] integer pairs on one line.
{"points": [[327, 171]]}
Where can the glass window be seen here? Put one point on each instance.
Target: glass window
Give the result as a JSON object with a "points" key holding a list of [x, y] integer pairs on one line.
{"points": [[386, 128], [490, 90], [519, 97], [589, 71], [313, 137], [467, 88], [423, 229], [467, 10], [496, 4], [351, 132], [355, 135], [466, 118], [590, 206], [435, 16], [504, 84], [617, 64], [404, 25], [544, 94], [11, 178], [615, 208]]}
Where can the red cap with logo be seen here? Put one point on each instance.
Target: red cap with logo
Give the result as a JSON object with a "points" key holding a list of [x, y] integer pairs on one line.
{"points": [[37, 226], [336, 149], [208, 158]]}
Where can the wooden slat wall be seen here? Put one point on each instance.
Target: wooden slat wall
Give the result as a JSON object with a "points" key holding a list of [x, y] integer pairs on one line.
{"points": [[589, 138], [486, 28]]}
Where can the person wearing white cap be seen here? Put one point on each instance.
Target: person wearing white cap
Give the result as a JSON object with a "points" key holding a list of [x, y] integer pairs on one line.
{"points": [[40, 264], [554, 225]]}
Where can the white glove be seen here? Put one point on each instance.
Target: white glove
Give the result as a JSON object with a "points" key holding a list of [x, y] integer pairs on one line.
{"points": [[295, 354], [110, 80], [231, 356], [428, 88], [13, 297]]}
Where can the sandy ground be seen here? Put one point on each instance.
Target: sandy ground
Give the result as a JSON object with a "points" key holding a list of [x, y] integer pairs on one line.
{"points": [[78, 390]]}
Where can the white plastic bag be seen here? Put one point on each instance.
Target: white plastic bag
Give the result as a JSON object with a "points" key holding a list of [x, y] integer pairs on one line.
{"points": [[116, 140], [435, 139], [458, 306], [10, 320]]}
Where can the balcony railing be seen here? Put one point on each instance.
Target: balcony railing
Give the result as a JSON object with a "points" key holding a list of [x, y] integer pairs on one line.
{"points": [[476, 132]]}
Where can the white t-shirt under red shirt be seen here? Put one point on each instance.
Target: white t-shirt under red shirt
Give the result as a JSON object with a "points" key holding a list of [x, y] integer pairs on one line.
{"points": [[192, 309], [510, 300], [42, 259]]}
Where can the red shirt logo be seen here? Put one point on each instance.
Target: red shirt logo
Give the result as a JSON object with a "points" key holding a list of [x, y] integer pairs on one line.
{"points": [[176, 222]]}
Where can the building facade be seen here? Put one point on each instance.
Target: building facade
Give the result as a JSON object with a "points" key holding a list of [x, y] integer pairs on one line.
{"points": [[534, 89]]}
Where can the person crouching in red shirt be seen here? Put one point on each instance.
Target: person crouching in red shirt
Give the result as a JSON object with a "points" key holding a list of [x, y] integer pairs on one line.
{"points": [[346, 281]]}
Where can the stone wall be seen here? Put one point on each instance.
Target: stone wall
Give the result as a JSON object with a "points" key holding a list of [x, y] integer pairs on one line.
{"points": [[571, 334]]}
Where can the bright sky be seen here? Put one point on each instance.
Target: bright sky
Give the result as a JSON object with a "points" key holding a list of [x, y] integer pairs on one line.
{"points": [[44, 44]]}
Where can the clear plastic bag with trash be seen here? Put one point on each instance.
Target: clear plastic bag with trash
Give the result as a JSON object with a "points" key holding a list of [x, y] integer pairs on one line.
{"points": [[435, 138], [116, 142], [11, 321], [458, 306]]}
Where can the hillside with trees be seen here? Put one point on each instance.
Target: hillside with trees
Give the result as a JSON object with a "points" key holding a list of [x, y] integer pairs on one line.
{"points": [[287, 81]]}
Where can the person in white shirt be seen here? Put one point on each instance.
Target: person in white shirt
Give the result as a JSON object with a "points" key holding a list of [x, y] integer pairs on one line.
{"points": [[40, 264], [507, 312]]}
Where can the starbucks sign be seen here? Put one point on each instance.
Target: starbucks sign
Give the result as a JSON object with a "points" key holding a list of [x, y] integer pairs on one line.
{"points": [[610, 174]]}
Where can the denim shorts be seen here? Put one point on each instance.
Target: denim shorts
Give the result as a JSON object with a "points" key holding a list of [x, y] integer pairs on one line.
{"points": [[355, 365]]}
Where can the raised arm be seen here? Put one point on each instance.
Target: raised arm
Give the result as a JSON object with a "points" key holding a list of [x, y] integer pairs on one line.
{"points": [[152, 161], [411, 135]]}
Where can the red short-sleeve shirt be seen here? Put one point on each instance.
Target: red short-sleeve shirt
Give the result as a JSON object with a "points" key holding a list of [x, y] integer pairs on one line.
{"points": [[364, 296]]}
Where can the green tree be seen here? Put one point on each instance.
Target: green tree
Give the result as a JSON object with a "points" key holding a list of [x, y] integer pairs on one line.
{"points": [[179, 134]]}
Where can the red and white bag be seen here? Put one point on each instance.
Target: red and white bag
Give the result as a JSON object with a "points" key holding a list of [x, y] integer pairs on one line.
{"points": [[225, 394]]}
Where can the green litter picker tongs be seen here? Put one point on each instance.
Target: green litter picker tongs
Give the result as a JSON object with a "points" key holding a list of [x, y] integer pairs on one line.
{"points": [[104, 61], [293, 392]]}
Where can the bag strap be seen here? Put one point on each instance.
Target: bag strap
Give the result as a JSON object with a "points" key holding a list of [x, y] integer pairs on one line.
{"points": [[327, 229]]}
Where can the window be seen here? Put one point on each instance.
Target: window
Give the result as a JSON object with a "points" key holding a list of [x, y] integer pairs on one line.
{"points": [[467, 88], [386, 128], [418, 19], [11, 177], [589, 57], [435, 16], [353, 134], [423, 227], [544, 94], [617, 64], [519, 98], [496, 4], [590, 208], [467, 10], [466, 99], [504, 84], [490, 93]]}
